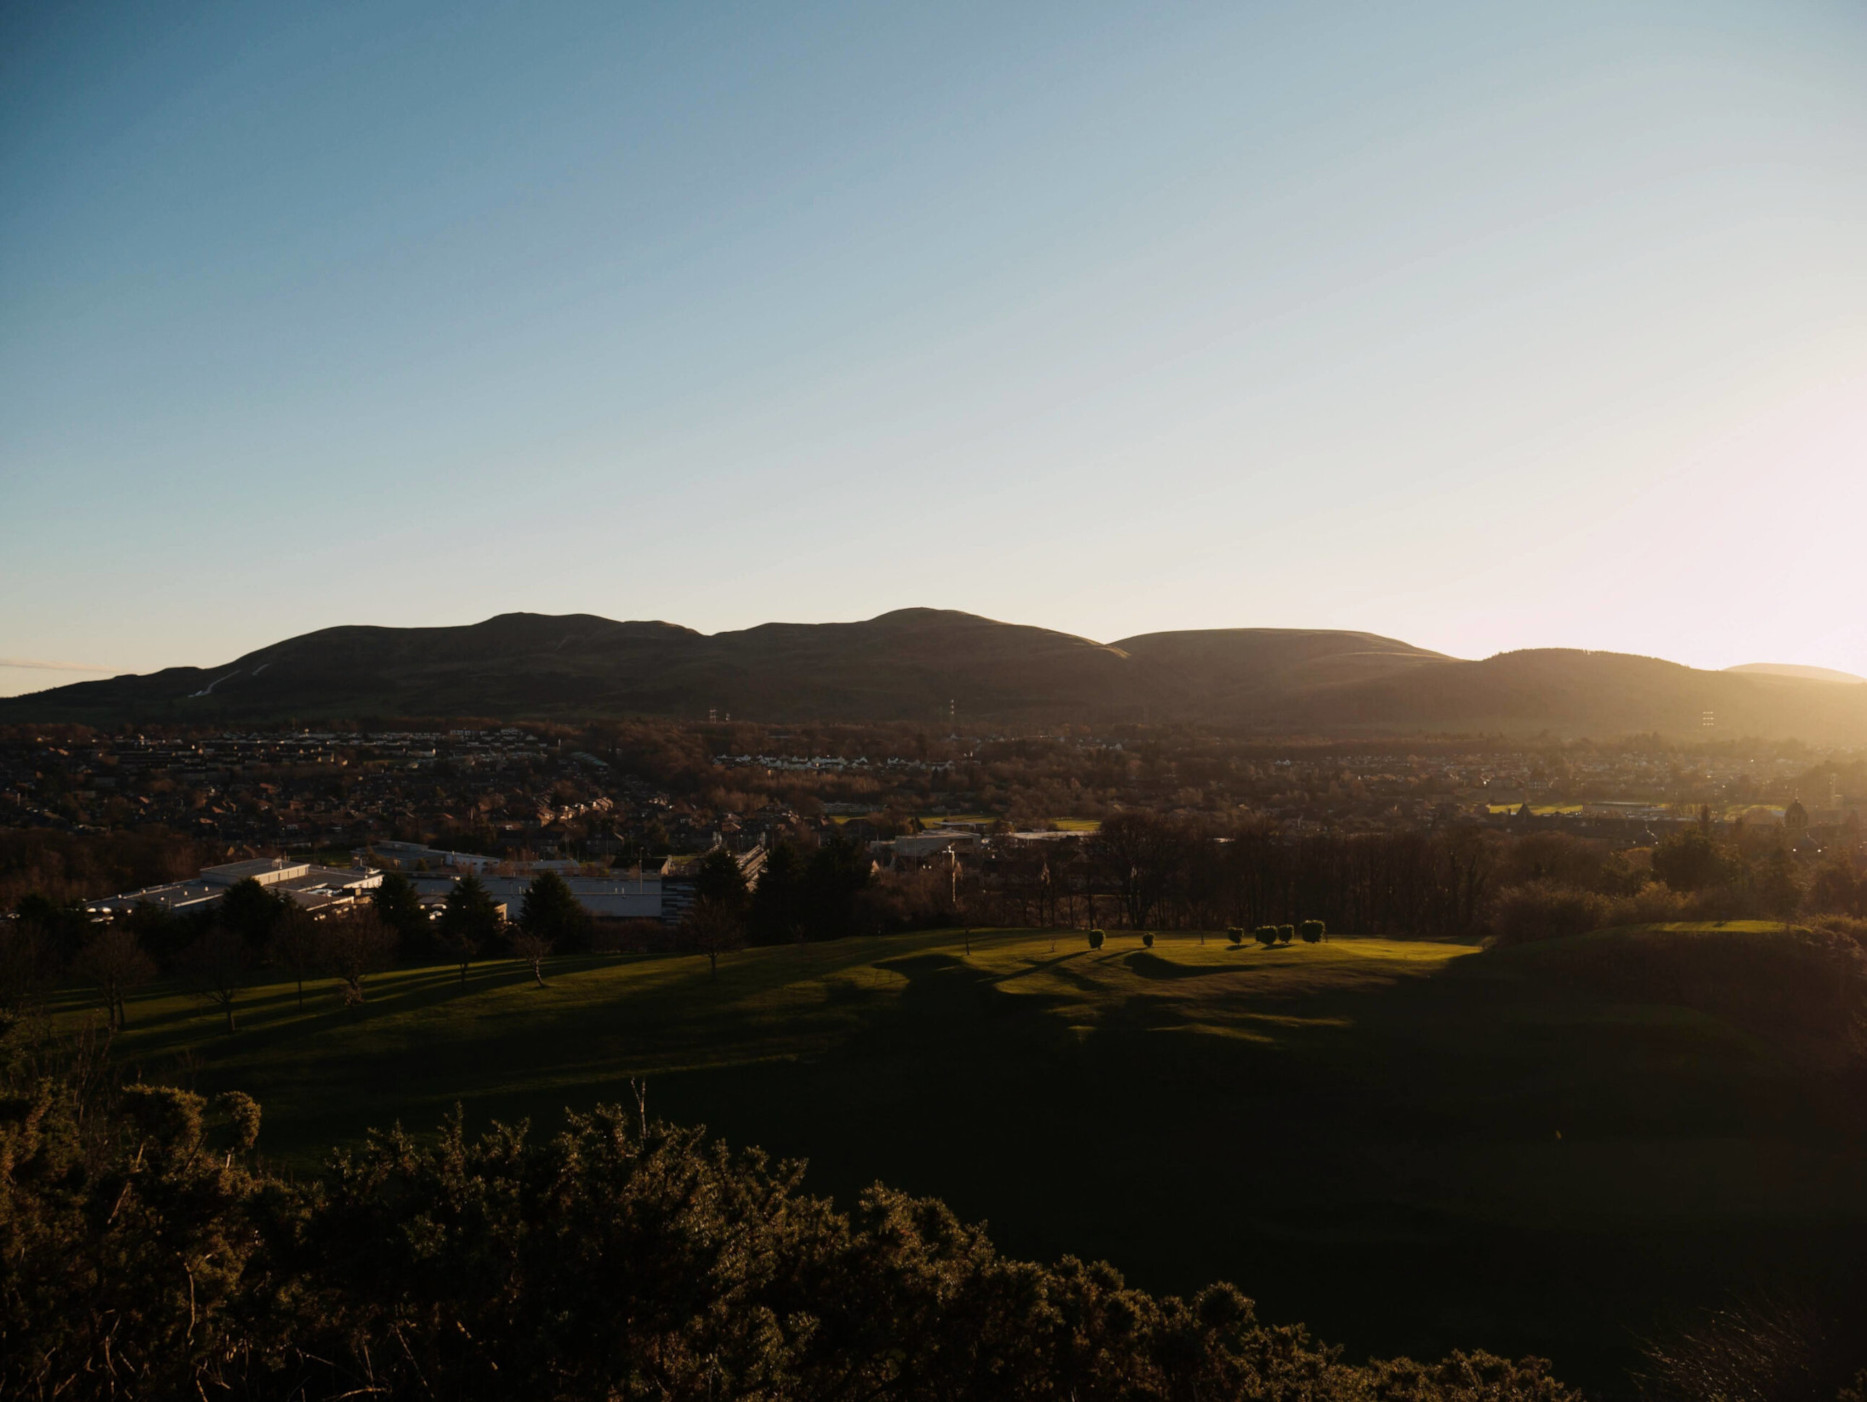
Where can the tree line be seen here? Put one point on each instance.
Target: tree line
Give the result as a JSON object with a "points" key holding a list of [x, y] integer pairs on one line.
{"points": [[1142, 870], [253, 933], [1150, 870]]}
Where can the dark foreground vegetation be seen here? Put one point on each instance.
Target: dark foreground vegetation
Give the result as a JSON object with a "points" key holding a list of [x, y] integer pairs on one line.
{"points": [[1572, 1148], [145, 1253]]}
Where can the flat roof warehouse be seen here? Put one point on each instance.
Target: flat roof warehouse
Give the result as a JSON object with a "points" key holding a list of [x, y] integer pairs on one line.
{"points": [[313, 888]]}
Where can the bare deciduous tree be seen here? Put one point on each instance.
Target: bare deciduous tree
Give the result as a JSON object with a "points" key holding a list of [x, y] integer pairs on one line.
{"points": [[113, 961], [295, 947], [712, 927], [220, 966], [534, 950], [353, 946]]}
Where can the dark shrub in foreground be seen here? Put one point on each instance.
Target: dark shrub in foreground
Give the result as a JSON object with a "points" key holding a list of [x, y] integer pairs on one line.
{"points": [[142, 1254], [1312, 931], [1265, 935], [1147, 939], [1236, 935], [1095, 939], [1286, 933]]}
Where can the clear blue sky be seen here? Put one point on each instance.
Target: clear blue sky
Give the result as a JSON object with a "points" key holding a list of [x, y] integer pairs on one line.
{"points": [[1483, 326]]}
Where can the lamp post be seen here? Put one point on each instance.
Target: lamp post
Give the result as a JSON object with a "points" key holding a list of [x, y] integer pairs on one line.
{"points": [[952, 863]]}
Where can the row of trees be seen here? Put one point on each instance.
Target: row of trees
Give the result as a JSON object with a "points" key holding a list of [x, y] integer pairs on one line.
{"points": [[63, 866], [1141, 870], [253, 932], [1148, 870], [1556, 886], [802, 893]]}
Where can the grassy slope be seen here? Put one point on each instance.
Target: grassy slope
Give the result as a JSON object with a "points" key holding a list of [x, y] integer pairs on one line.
{"points": [[1408, 1145]]}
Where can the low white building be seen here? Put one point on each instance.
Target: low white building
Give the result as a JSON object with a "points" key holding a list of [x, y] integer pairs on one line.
{"points": [[313, 888], [413, 856], [609, 898]]}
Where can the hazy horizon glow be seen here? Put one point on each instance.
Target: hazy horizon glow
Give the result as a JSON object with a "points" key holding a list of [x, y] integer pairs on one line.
{"points": [[1476, 328]]}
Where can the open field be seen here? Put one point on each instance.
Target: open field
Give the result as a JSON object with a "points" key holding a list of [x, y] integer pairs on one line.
{"points": [[1410, 1146]]}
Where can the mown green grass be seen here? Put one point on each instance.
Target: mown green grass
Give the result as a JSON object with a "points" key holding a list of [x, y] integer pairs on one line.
{"points": [[1410, 1145], [425, 1040]]}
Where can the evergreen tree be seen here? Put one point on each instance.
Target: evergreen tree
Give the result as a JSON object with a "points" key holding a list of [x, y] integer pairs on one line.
{"points": [[251, 912], [469, 925], [717, 878], [1690, 861], [838, 872], [552, 913], [777, 909], [399, 907]]}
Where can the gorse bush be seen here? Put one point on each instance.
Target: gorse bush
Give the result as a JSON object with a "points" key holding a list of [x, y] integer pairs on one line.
{"points": [[144, 1254]]}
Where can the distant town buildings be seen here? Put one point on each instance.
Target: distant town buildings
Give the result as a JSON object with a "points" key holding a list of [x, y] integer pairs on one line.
{"points": [[619, 813]]}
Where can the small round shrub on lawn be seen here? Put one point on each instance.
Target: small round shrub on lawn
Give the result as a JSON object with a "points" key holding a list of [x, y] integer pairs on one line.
{"points": [[1312, 931], [1147, 939], [1236, 934], [1095, 939], [1265, 935], [1286, 933]]}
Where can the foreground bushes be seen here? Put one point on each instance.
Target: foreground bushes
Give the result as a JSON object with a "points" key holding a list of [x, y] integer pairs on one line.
{"points": [[144, 1254]]}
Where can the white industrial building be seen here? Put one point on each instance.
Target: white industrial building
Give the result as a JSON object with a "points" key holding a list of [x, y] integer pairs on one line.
{"points": [[413, 856], [313, 888], [608, 898], [651, 894]]}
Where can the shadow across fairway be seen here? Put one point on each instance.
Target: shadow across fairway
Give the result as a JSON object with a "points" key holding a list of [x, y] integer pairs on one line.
{"points": [[1149, 965], [274, 1019], [1365, 1141], [1040, 966], [944, 992], [1381, 1109]]}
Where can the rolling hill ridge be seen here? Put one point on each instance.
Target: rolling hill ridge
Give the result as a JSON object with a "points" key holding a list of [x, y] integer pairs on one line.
{"points": [[914, 664]]}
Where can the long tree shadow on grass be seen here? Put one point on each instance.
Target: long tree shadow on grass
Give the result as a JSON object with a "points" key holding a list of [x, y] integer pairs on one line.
{"points": [[1321, 1169], [1147, 964], [274, 1019]]}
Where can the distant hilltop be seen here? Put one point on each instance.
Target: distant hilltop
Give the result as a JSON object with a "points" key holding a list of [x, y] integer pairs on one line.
{"points": [[932, 665], [1791, 669]]}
